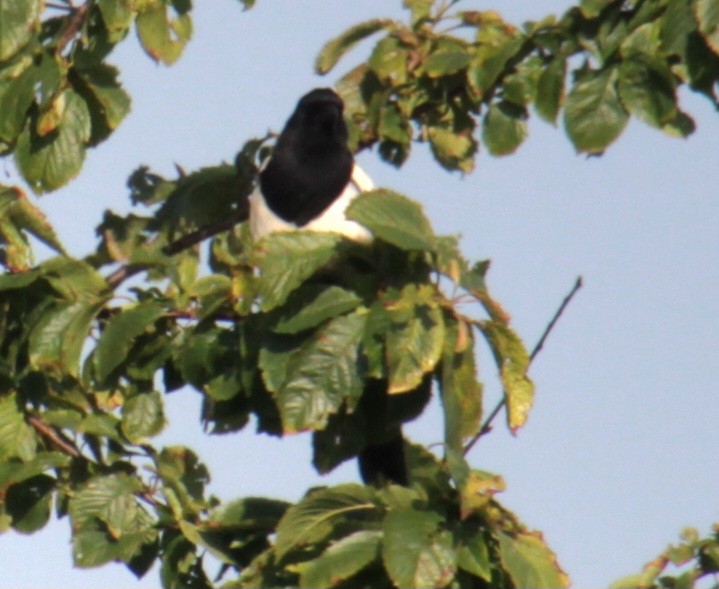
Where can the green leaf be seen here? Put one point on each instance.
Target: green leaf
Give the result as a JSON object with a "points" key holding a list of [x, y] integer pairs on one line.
{"points": [[17, 438], [17, 209], [163, 38], [389, 61], [108, 101], [414, 341], [455, 151], [707, 15], [117, 16], [461, 391], [416, 553], [504, 128], [108, 522], [286, 260], [342, 559], [142, 417], [18, 22], [393, 218], [250, 513], [13, 471], [334, 49], [445, 62], [513, 362], [180, 469], [550, 89], [647, 91], [120, 333], [17, 93], [593, 115], [529, 562], [29, 503], [676, 27], [473, 555], [56, 341], [321, 375], [72, 279], [592, 8], [496, 47], [312, 519], [421, 9], [49, 162], [313, 304], [181, 566]]}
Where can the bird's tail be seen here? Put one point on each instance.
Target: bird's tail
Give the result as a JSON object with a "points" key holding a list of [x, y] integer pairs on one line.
{"points": [[384, 462]]}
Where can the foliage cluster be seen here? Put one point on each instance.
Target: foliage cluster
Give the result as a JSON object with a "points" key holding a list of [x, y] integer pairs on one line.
{"points": [[86, 360]]}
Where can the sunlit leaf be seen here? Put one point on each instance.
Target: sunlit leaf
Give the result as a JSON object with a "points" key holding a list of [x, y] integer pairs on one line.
{"points": [[513, 361], [504, 128], [593, 115], [18, 23], [707, 15], [333, 50], [286, 260], [529, 562], [57, 340], [313, 304], [342, 559], [120, 333], [414, 342], [550, 89], [647, 91], [49, 162], [393, 218], [415, 552], [321, 375], [142, 417], [17, 438], [163, 37], [313, 518]]}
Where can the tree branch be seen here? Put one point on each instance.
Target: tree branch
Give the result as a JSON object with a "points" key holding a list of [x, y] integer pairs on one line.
{"points": [[55, 437], [185, 242], [73, 26], [487, 426]]}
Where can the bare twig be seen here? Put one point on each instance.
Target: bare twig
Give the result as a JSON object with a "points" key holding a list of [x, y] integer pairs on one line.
{"points": [[487, 426], [73, 26], [568, 299], [55, 437]]}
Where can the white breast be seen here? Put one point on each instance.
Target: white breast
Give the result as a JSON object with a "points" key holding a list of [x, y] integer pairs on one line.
{"points": [[263, 221]]}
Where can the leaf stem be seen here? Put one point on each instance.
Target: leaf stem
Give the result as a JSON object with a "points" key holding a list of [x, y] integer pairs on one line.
{"points": [[487, 426]]}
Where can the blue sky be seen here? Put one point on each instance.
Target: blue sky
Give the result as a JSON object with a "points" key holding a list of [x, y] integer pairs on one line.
{"points": [[617, 455]]}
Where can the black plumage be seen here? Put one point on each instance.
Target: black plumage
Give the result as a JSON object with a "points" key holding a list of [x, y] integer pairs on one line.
{"points": [[311, 163]]}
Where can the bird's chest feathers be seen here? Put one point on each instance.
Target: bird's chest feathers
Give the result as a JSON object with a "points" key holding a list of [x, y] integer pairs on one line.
{"points": [[268, 215]]}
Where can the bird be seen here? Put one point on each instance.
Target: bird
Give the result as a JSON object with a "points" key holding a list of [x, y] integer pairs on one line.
{"points": [[311, 176], [308, 182]]}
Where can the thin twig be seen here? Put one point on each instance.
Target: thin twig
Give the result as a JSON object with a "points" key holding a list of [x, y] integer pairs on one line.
{"points": [[183, 243], [56, 438], [73, 26], [487, 426], [65, 7], [557, 315]]}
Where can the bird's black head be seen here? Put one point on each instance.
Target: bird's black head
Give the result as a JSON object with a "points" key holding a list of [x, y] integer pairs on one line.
{"points": [[317, 123], [311, 163]]}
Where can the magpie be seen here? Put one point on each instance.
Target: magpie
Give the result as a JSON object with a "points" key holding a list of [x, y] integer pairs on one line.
{"points": [[307, 184], [311, 176]]}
